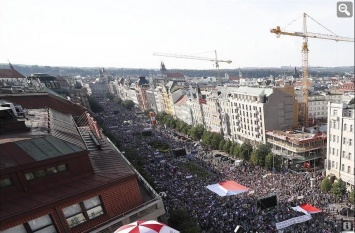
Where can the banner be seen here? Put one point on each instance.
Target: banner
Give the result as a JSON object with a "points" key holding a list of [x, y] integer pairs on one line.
{"points": [[292, 221]]}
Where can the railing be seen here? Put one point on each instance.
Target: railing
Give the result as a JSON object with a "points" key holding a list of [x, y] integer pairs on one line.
{"points": [[294, 149]]}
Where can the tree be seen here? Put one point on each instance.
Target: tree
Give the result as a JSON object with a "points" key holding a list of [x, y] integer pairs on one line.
{"points": [[269, 161], [207, 138], [245, 150], [197, 132], [326, 185], [128, 104], [221, 144], [352, 196], [258, 156], [339, 188], [236, 151], [227, 146], [352, 101], [216, 139]]}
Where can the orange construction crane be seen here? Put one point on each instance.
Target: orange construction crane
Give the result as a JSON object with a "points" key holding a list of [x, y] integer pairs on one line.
{"points": [[305, 50], [215, 60]]}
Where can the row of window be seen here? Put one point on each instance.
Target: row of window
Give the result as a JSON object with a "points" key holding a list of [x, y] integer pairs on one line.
{"points": [[335, 164], [345, 141], [45, 172], [74, 215], [345, 126], [332, 152], [5, 182]]}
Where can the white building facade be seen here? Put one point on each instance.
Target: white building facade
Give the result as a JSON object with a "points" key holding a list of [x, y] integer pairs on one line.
{"points": [[340, 145], [255, 110]]}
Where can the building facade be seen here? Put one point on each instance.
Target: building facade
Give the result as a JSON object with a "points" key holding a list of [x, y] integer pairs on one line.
{"points": [[340, 146]]}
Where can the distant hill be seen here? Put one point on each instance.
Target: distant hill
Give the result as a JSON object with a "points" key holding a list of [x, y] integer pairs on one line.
{"points": [[250, 72]]}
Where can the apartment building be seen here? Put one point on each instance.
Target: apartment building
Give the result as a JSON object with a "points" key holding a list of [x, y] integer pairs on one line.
{"points": [[257, 110], [212, 111], [340, 146]]}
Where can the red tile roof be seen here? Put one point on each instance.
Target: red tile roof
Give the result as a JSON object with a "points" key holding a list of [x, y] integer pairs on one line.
{"points": [[174, 75], [10, 73]]}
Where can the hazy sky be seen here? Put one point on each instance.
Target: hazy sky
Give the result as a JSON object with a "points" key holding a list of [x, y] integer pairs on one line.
{"points": [[118, 33]]}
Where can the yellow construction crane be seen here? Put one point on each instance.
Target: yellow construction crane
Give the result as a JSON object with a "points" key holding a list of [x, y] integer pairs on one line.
{"points": [[215, 60], [305, 50]]}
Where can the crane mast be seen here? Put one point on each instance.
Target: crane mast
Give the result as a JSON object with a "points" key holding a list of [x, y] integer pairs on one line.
{"points": [[305, 68]]}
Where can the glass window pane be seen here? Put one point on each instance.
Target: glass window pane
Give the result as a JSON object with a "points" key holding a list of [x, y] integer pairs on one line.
{"points": [[62, 167], [94, 212], [40, 222], [39, 173], [5, 182], [16, 229], [76, 220], [50, 229], [29, 176], [71, 210], [51, 170], [92, 202]]}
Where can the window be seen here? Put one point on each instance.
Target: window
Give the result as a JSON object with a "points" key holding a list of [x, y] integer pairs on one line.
{"points": [[349, 169], [344, 140], [83, 211], [349, 155], [351, 128], [333, 151], [5, 182], [45, 172], [343, 154], [344, 127], [350, 142], [332, 163], [333, 138], [42, 224], [342, 167]]}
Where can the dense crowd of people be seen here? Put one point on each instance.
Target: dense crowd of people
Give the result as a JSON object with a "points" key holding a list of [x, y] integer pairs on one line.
{"points": [[212, 212]]}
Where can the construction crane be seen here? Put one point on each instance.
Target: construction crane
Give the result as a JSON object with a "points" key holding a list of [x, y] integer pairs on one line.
{"points": [[215, 60], [305, 50]]}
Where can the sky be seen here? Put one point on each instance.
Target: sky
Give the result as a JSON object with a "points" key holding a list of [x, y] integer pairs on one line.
{"points": [[126, 33]]}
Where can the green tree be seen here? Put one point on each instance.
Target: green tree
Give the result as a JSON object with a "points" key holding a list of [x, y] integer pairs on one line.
{"points": [[258, 156], [236, 151], [325, 185], [128, 104], [227, 146], [245, 151], [352, 101], [339, 189], [352, 196], [207, 138], [216, 139], [221, 144], [197, 132]]}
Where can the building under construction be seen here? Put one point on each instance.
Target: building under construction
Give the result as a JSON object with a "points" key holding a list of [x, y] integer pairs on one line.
{"points": [[300, 151]]}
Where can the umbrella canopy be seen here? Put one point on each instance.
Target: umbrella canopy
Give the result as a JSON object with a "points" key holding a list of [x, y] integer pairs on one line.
{"points": [[227, 188], [143, 226]]}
